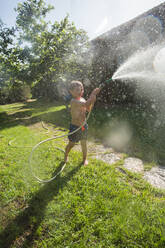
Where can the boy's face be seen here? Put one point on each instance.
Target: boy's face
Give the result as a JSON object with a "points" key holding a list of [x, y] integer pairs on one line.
{"points": [[77, 91]]}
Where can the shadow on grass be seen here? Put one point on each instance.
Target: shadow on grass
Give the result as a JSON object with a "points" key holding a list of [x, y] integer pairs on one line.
{"points": [[22, 230], [24, 115], [3, 117], [58, 118]]}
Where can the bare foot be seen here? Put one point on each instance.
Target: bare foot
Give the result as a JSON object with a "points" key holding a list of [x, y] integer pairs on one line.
{"points": [[85, 162], [66, 160]]}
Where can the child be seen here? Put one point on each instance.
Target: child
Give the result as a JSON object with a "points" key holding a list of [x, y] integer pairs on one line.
{"points": [[79, 106]]}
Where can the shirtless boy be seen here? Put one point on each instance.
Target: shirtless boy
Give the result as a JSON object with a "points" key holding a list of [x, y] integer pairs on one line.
{"points": [[79, 107]]}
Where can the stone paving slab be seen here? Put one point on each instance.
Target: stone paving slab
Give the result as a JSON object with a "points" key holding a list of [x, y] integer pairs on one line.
{"points": [[156, 177], [109, 158], [134, 164]]}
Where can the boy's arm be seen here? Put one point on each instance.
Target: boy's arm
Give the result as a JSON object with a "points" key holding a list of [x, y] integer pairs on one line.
{"points": [[91, 100], [90, 103]]}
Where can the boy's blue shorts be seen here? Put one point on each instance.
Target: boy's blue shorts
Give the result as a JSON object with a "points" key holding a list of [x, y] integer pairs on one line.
{"points": [[81, 134]]}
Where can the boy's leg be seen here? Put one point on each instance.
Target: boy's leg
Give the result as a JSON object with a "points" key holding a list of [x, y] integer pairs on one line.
{"points": [[67, 150], [84, 151]]}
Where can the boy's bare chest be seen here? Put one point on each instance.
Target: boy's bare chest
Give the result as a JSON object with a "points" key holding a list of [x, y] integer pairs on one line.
{"points": [[78, 110]]}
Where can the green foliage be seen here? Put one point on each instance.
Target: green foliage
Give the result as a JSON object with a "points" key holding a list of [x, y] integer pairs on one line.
{"points": [[12, 79], [17, 92], [55, 48], [6, 39], [30, 17], [146, 140], [45, 54]]}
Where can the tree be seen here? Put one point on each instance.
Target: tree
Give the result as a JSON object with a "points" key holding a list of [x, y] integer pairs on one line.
{"points": [[55, 49], [38, 53], [12, 65]]}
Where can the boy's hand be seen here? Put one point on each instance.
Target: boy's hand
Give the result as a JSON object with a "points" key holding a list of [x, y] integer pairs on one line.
{"points": [[96, 91]]}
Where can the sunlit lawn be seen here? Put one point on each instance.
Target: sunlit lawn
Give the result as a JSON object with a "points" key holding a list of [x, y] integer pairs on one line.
{"points": [[92, 206]]}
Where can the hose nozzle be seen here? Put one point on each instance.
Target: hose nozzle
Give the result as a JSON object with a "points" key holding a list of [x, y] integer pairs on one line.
{"points": [[105, 82]]}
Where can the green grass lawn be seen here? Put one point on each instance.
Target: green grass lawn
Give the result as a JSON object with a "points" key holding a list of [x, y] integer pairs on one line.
{"points": [[92, 206]]}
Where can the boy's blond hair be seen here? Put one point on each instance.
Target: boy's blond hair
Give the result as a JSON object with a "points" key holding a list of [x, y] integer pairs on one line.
{"points": [[75, 84]]}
